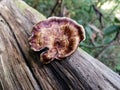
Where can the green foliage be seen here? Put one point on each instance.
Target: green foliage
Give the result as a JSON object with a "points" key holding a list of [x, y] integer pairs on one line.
{"points": [[109, 38], [89, 31], [99, 40], [111, 29]]}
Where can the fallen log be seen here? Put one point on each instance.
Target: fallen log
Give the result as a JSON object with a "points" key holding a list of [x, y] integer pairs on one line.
{"points": [[20, 68]]}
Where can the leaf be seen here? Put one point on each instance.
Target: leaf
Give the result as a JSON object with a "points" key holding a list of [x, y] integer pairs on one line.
{"points": [[118, 67], [80, 21], [111, 29], [89, 31], [91, 34], [109, 38]]}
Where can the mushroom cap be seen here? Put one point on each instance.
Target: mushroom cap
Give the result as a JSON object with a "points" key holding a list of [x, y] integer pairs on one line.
{"points": [[61, 35]]}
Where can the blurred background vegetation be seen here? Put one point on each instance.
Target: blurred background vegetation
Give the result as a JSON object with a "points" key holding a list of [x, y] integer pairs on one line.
{"points": [[101, 20]]}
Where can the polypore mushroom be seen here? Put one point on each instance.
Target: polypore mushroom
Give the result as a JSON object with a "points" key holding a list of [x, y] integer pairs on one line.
{"points": [[60, 35]]}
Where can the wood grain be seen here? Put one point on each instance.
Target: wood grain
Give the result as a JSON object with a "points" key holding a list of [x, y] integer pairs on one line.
{"points": [[20, 68]]}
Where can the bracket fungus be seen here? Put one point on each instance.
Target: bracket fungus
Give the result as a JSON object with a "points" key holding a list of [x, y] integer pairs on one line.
{"points": [[60, 35]]}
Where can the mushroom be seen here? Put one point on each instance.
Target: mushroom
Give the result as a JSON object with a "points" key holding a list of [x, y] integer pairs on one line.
{"points": [[60, 35]]}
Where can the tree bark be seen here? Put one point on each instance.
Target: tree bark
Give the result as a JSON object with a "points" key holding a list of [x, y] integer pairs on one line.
{"points": [[20, 68]]}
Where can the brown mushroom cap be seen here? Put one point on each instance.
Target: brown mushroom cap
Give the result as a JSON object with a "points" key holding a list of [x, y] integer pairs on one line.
{"points": [[61, 35]]}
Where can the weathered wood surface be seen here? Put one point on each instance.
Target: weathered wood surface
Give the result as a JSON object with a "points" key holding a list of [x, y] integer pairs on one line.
{"points": [[20, 68]]}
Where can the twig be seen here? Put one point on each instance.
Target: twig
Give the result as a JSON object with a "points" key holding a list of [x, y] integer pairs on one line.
{"points": [[98, 14], [58, 2], [54, 7], [62, 8]]}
